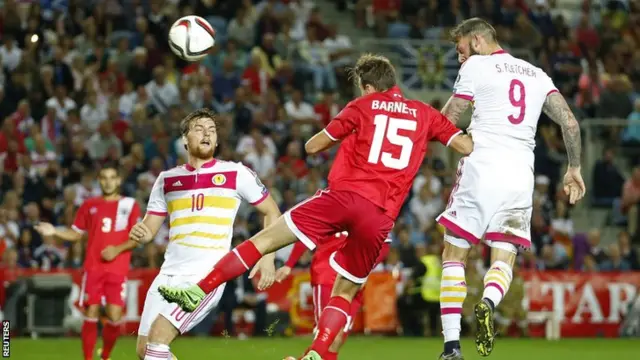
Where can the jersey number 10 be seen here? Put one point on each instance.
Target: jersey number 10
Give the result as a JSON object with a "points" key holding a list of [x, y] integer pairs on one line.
{"points": [[387, 128]]}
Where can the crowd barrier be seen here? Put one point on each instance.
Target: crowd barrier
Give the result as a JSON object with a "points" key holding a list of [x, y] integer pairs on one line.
{"points": [[581, 304]]}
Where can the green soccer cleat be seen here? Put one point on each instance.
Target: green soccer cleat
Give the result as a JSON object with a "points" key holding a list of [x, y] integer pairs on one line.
{"points": [[485, 330], [187, 298], [312, 355], [455, 355]]}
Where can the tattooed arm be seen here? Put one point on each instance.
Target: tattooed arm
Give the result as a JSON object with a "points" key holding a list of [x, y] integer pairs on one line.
{"points": [[454, 108], [558, 110]]}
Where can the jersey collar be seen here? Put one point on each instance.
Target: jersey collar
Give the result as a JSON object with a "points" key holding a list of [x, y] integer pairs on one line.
{"points": [[204, 166], [395, 90], [498, 52]]}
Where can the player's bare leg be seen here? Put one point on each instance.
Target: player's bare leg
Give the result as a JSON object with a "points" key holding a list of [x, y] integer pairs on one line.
{"points": [[235, 263], [453, 291], [89, 333], [111, 330], [333, 320], [161, 334], [496, 284]]}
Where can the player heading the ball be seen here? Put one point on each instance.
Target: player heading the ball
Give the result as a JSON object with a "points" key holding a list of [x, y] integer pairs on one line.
{"points": [[384, 140]]}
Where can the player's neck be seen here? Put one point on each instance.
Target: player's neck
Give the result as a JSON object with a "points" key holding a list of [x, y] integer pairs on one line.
{"points": [[112, 197], [492, 49], [197, 163]]}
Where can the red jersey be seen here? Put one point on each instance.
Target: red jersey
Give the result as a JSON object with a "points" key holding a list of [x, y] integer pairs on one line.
{"points": [[321, 271], [384, 141], [107, 223]]}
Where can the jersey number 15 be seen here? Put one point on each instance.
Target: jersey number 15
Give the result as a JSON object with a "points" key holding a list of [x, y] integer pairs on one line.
{"points": [[387, 128]]}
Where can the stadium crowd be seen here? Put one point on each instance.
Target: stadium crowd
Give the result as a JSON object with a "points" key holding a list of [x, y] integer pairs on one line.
{"points": [[83, 84]]}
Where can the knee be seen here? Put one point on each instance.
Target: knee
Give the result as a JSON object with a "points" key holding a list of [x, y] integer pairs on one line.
{"points": [[337, 343], [455, 249]]}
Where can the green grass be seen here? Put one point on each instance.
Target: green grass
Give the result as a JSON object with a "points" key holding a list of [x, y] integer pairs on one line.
{"points": [[365, 348]]}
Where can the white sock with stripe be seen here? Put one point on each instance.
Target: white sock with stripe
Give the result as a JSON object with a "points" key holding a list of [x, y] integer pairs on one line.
{"points": [[157, 352], [497, 281]]}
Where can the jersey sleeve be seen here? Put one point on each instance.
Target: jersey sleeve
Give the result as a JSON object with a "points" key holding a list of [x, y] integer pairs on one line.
{"points": [[464, 85], [249, 186], [548, 87], [344, 123], [82, 222], [157, 204], [441, 129]]}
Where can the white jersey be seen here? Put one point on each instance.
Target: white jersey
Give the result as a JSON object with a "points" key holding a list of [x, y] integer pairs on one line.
{"points": [[507, 94], [202, 206]]}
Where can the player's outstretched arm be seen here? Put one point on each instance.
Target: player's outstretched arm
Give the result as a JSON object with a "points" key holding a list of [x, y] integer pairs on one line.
{"points": [[454, 108], [62, 233], [462, 143], [318, 143], [556, 107], [144, 231]]}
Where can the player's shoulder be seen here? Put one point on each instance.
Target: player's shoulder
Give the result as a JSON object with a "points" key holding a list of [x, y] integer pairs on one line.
{"points": [[474, 62]]}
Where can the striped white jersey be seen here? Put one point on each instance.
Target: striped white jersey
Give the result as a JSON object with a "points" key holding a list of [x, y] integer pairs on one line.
{"points": [[202, 206]]}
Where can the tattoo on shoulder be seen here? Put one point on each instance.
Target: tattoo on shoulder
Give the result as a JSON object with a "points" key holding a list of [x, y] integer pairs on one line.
{"points": [[557, 109], [454, 108]]}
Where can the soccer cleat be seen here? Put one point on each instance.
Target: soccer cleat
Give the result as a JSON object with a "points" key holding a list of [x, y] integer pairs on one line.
{"points": [[455, 355], [485, 329], [312, 355], [99, 353], [187, 298]]}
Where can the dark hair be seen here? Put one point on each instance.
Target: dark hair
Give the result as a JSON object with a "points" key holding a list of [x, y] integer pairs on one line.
{"points": [[111, 165], [374, 70], [474, 26], [185, 124]]}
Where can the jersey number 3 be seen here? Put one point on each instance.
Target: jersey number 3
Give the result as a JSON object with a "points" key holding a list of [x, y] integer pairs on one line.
{"points": [[517, 97], [387, 128]]}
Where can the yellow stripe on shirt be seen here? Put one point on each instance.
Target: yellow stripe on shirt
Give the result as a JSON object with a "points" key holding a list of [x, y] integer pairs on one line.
{"points": [[199, 234], [220, 202], [197, 220]]}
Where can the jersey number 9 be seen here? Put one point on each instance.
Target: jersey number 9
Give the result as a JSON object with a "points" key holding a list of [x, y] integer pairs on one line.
{"points": [[387, 128], [517, 99]]}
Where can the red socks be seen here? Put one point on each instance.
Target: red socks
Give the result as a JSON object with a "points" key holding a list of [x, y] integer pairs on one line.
{"points": [[110, 334], [89, 337], [232, 265], [333, 319]]}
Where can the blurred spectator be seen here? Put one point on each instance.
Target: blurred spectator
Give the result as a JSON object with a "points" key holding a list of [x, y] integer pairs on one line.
{"points": [[615, 261], [607, 180], [628, 252]]}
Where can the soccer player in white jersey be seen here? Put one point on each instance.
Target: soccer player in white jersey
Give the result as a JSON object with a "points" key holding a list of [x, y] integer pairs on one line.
{"points": [[492, 196], [201, 200]]}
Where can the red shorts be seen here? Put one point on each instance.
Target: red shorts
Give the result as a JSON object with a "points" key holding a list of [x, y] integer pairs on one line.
{"points": [[329, 212], [321, 297], [100, 288]]}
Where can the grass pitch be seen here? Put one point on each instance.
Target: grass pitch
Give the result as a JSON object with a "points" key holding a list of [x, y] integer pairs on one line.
{"points": [[357, 348]]}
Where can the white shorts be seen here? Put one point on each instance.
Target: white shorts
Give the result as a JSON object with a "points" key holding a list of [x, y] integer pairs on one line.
{"points": [[155, 304], [490, 200]]}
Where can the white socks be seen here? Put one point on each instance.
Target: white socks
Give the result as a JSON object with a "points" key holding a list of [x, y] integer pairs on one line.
{"points": [[497, 282], [453, 291]]}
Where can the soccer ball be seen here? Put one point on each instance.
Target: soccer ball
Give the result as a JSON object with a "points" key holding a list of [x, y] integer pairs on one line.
{"points": [[191, 37]]}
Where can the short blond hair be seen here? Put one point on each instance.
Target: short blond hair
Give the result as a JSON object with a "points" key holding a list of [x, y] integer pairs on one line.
{"points": [[474, 26]]}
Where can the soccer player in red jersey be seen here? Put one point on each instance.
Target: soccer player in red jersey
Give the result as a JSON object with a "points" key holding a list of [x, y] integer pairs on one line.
{"points": [[384, 139], [107, 220], [322, 279]]}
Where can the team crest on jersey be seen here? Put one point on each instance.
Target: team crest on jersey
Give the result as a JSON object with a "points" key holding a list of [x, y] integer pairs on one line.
{"points": [[219, 179], [93, 210]]}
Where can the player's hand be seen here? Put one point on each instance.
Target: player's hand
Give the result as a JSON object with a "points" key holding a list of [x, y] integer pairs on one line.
{"points": [[574, 185], [109, 253], [283, 273], [140, 233], [267, 272], [45, 229]]}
